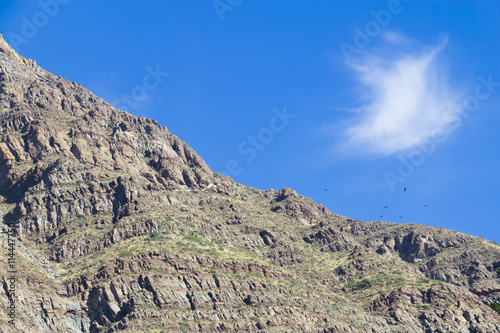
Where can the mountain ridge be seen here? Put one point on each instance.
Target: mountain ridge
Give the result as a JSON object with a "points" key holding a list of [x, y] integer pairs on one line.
{"points": [[124, 227]]}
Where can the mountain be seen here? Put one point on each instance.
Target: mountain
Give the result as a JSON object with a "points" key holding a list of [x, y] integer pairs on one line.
{"points": [[118, 225]]}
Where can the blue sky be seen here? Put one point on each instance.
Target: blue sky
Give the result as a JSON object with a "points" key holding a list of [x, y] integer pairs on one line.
{"points": [[362, 98]]}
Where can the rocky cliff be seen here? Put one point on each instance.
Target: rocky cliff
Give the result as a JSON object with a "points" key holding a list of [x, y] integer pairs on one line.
{"points": [[121, 226]]}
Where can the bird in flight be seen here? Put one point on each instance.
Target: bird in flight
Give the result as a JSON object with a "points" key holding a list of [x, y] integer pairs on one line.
{"points": [[385, 206], [325, 189], [426, 205], [404, 189], [381, 216], [400, 217]]}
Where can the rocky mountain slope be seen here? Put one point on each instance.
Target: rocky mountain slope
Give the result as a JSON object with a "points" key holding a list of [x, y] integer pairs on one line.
{"points": [[123, 227]]}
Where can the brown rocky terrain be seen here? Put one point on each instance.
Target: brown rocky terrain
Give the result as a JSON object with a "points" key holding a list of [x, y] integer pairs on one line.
{"points": [[123, 227]]}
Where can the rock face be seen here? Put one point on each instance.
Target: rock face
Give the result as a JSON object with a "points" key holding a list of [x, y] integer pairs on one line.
{"points": [[123, 227]]}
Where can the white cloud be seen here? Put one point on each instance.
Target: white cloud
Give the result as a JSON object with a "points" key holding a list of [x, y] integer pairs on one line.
{"points": [[407, 98]]}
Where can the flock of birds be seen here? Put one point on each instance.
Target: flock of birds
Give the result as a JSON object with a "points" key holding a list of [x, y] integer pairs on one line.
{"points": [[404, 190]]}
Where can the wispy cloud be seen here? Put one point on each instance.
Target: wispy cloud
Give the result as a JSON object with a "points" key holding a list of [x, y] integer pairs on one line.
{"points": [[406, 97]]}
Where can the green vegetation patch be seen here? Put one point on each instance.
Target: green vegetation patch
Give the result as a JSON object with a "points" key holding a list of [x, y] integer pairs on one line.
{"points": [[495, 306], [360, 284]]}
